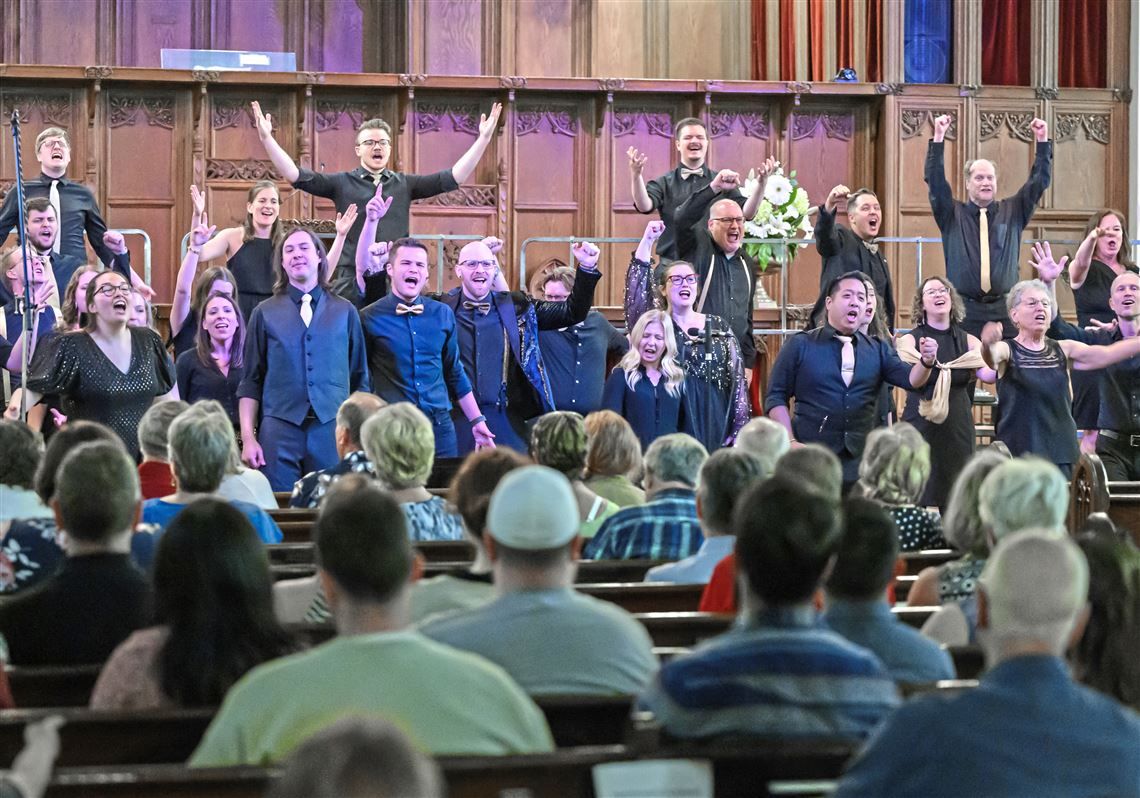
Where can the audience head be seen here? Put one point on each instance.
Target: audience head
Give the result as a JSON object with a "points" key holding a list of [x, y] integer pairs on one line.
{"points": [[981, 182], [154, 429], [53, 151], [41, 223], [23, 451], [678, 285], [1124, 295], [476, 269], [73, 306], [374, 144], [868, 548], [726, 225], [532, 520], [108, 300], [557, 284], [846, 302], [62, 442], [213, 280], [350, 417], [895, 464], [475, 481], [864, 214], [214, 591], [201, 441], [362, 546], [962, 524], [691, 140], [300, 261], [766, 439], [558, 441], [1106, 657], [938, 295], [400, 443], [785, 538], [612, 447], [674, 461], [1032, 594], [652, 345], [816, 468], [724, 478], [1023, 494], [1029, 303], [262, 209], [221, 326], [359, 758], [97, 493], [408, 268]]}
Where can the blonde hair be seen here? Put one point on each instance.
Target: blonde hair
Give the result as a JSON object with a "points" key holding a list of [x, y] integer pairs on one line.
{"points": [[400, 442], [895, 465], [612, 447], [631, 361]]}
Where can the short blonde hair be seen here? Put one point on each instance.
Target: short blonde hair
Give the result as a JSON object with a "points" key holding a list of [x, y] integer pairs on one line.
{"points": [[400, 442], [1023, 494], [895, 464], [612, 447]]}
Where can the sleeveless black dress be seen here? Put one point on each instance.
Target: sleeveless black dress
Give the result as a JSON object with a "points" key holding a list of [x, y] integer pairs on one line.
{"points": [[952, 441], [252, 266], [1036, 413]]}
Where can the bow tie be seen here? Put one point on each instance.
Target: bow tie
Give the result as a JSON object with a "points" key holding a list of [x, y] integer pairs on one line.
{"points": [[402, 309], [871, 246], [687, 173], [482, 307]]}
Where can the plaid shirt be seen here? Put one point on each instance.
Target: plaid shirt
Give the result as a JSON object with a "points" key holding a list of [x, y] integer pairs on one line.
{"points": [[665, 528]]}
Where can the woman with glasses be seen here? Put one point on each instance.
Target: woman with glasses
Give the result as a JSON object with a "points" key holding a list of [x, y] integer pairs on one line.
{"points": [[948, 423], [108, 371]]}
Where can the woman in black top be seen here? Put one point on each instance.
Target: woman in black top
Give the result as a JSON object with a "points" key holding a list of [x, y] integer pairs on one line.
{"points": [[191, 292], [213, 369], [647, 387]]}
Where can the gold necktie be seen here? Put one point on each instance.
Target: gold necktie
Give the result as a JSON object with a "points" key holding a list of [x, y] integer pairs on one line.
{"points": [[984, 247]]}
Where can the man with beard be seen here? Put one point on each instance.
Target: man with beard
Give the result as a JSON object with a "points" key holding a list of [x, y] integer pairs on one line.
{"points": [[844, 250]]}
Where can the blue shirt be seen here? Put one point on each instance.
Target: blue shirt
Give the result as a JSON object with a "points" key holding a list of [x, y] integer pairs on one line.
{"points": [[784, 674], [665, 528], [650, 409], [482, 343], [160, 513], [698, 568], [414, 357], [1026, 730], [908, 655], [575, 359]]}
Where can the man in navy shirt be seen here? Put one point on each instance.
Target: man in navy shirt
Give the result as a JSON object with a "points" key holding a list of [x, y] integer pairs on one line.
{"points": [[834, 373], [304, 354]]}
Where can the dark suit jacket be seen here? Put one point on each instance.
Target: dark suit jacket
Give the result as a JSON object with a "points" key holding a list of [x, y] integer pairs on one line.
{"points": [[843, 252]]}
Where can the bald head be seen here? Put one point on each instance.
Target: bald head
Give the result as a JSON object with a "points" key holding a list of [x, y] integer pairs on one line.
{"points": [[726, 225], [476, 269], [1124, 296], [981, 182]]}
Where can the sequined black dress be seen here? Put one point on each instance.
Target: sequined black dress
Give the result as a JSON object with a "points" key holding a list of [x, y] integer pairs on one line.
{"points": [[93, 389], [716, 396]]}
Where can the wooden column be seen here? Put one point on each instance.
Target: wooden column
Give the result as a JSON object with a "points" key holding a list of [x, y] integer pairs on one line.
{"points": [[967, 42], [1043, 67]]}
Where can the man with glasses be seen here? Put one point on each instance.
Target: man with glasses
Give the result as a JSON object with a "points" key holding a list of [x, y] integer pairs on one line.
{"points": [[854, 250], [374, 149]]}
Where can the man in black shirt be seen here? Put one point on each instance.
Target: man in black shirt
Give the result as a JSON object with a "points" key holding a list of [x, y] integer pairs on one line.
{"points": [[374, 148], [845, 250], [981, 238]]}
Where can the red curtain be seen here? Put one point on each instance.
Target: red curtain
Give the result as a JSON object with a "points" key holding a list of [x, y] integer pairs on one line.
{"points": [[759, 42], [874, 42], [1082, 30], [845, 57], [788, 40], [1005, 42], [815, 41]]}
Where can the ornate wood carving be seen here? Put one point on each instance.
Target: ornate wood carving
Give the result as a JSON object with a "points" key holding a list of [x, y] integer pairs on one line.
{"points": [[835, 125], [1096, 126], [913, 120], [250, 170], [464, 197], [54, 108], [755, 124], [318, 226], [411, 79], [123, 109], [798, 87], [560, 118], [1122, 95], [228, 112], [98, 72], [329, 112], [968, 90], [464, 117], [206, 75], [1046, 92], [659, 122], [611, 84], [991, 123], [889, 88], [311, 77], [512, 82]]}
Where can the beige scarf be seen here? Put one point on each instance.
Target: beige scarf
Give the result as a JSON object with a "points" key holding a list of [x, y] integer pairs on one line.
{"points": [[936, 408]]}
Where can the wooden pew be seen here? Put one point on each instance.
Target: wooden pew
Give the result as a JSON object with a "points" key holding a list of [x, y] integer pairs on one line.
{"points": [[52, 686], [647, 596], [589, 571], [302, 553], [1091, 492], [917, 560], [969, 661]]}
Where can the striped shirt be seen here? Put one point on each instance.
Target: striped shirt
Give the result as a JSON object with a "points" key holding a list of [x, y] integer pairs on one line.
{"points": [[781, 674], [665, 528]]}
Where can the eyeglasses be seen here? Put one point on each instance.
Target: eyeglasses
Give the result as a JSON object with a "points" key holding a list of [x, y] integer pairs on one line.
{"points": [[374, 143], [489, 265], [940, 291], [683, 279], [111, 290], [54, 143], [730, 220]]}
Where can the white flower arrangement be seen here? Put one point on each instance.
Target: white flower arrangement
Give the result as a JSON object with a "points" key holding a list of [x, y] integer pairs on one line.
{"points": [[783, 213]]}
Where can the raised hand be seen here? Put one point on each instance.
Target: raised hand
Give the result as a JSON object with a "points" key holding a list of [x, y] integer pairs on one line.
{"points": [[586, 254], [494, 244], [653, 231], [1048, 270], [114, 241], [487, 123], [725, 180], [198, 198], [377, 207], [991, 333], [378, 254], [1096, 325], [147, 292], [345, 221], [637, 160], [202, 233], [941, 125], [837, 195], [263, 122], [768, 169], [1040, 129]]}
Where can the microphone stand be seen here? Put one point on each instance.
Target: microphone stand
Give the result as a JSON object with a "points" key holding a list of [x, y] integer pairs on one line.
{"points": [[28, 319]]}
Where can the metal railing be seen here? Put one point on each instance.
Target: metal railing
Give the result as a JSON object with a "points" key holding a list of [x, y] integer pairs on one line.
{"points": [[135, 231]]}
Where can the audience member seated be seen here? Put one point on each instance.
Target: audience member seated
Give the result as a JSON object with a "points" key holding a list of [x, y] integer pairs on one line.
{"points": [[22, 454], [724, 478], [779, 672], [97, 597], [241, 483], [201, 443], [549, 637], [964, 531], [893, 471], [359, 758], [813, 466], [613, 459], [766, 439], [1026, 493], [666, 527], [471, 490], [558, 441], [32, 549], [446, 701], [213, 602], [400, 442], [155, 477], [1027, 729], [1105, 658], [856, 597], [350, 417]]}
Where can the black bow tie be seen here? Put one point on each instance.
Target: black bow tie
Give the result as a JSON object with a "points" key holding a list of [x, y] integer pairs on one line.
{"points": [[482, 307]]}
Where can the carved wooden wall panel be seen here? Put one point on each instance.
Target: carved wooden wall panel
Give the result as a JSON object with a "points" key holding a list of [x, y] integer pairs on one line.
{"points": [[1003, 136]]}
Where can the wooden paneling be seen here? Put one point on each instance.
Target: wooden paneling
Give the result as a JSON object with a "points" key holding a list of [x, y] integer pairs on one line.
{"points": [[450, 35], [543, 38], [145, 29], [48, 36]]}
